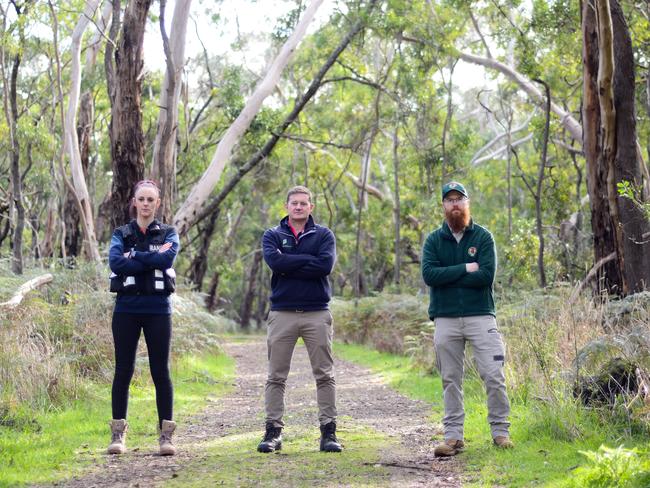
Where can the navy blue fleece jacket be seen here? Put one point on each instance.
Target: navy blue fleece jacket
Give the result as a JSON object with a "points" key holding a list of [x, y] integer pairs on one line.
{"points": [[300, 266]]}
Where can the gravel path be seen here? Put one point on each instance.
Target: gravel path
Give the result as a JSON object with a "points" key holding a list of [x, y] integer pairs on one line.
{"points": [[362, 399]]}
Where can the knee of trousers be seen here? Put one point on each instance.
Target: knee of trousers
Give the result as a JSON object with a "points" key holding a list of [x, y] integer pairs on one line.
{"points": [[161, 377], [494, 379], [124, 372], [325, 380], [276, 380]]}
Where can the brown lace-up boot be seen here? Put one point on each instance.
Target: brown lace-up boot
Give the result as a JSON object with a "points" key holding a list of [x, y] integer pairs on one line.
{"points": [[118, 436], [165, 440], [450, 447], [503, 441]]}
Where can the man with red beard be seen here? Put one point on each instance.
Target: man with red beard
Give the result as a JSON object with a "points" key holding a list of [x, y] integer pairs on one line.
{"points": [[459, 264]]}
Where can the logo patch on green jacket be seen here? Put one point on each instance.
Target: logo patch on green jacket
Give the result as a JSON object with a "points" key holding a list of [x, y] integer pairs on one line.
{"points": [[472, 251]]}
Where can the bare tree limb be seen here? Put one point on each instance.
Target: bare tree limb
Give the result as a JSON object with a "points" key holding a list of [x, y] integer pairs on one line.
{"points": [[24, 289]]}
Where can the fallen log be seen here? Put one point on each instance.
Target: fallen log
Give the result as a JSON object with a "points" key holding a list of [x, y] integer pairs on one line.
{"points": [[26, 288]]}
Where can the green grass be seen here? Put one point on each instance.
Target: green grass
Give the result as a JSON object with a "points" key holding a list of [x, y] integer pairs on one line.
{"points": [[59, 444], [548, 438], [234, 461]]}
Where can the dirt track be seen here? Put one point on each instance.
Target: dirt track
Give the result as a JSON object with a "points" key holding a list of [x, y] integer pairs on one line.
{"points": [[362, 399]]}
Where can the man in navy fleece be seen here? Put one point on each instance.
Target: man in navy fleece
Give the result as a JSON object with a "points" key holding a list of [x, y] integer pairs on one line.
{"points": [[301, 255]]}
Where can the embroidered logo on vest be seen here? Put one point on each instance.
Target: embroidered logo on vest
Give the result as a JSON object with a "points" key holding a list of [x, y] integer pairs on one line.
{"points": [[472, 251]]}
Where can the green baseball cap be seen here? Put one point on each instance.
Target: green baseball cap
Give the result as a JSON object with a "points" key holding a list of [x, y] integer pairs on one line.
{"points": [[454, 186]]}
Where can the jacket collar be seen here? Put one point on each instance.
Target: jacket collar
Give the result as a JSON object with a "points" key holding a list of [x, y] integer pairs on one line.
{"points": [[284, 223], [154, 226], [446, 231]]}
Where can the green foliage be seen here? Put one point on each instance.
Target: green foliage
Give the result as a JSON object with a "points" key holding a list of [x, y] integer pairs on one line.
{"points": [[385, 322], [48, 445], [609, 467], [58, 342], [634, 193]]}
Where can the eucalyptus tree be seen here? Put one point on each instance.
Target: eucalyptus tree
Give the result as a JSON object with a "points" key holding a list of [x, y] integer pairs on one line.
{"points": [[620, 228], [123, 64], [163, 166], [188, 212], [12, 114], [211, 209]]}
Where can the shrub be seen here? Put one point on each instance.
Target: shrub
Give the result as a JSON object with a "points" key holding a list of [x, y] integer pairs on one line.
{"points": [[609, 467], [59, 339]]}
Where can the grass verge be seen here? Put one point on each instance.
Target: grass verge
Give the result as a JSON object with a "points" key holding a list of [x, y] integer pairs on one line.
{"points": [[234, 461], [548, 437], [60, 443]]}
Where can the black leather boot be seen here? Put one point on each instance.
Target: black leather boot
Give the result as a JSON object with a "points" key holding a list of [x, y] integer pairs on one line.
{"points": [[328, 441], [272, 439]]}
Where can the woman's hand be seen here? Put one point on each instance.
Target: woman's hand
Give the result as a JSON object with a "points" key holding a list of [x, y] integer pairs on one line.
{"points": [[165, 247], [127, 254]]}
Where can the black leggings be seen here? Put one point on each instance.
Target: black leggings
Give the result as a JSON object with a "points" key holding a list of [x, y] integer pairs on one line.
{"points": [[157, 335]]}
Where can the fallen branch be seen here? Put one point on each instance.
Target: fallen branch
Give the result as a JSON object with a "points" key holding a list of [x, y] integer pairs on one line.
{"points": [[26, 288], [590, 276]]}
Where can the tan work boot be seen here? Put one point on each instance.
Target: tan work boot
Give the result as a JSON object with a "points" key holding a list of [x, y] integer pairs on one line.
{"points": [[165, 440], [118, 436], [450, 447], [503, 442]]}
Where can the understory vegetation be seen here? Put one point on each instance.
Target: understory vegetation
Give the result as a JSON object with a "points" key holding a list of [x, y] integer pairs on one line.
{"points": [[574, 422], [56, 367]]}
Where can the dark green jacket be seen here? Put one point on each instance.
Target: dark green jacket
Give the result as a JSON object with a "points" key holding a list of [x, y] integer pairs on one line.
{"points": [[453, 291]]}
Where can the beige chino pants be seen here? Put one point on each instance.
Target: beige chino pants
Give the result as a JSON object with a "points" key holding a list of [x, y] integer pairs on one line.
{"points": [[283, 330]]}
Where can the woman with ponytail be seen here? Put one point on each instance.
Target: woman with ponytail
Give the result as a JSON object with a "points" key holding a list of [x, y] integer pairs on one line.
{"points": [[141, 256]]}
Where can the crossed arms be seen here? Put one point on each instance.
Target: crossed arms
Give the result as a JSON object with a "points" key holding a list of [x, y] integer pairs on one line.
{"points": [[124, 262], [467, 275], [300, 266]]}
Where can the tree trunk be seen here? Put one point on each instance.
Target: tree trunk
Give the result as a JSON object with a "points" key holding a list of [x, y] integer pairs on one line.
{"points": [[633, 223], [187, 214], [80, 157], [96, 42], [611, 151], [567, 120], [300, 104], [199, 264], [605, 82], [365, 166], [163, 167], [540, 188], [71, 138], [127, 138], [11, 112], [445, 129], [609, 277], [212, 299], [251, 290], [396, 208]]}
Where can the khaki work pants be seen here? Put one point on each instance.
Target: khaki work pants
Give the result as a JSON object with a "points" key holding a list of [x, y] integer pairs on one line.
{"points": [[450, 336], [283, 330]]}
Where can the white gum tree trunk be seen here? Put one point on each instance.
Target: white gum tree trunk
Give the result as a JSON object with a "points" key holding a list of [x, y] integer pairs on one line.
{"points": [[164, 155], [97, 41], [70, 131], [568, 121], [188, 212]]}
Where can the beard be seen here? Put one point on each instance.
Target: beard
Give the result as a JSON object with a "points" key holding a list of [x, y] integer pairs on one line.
{"points": [[458, 219]]}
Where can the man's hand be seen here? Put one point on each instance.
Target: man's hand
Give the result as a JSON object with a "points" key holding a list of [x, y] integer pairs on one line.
{"points": [[471, 267], [165, 247]]}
